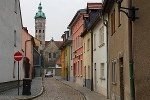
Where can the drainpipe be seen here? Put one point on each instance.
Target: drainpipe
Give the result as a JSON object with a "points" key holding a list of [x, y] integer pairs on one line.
{"points": [[132, 89], [91, 60], [26, 46], [105, 22]]}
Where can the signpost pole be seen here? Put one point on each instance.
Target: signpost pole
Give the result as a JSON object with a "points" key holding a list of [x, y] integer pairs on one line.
{"points": [[18, 78]]}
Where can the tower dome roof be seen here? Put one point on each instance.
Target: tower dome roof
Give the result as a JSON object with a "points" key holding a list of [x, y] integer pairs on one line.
{"points": [[40, 13]]}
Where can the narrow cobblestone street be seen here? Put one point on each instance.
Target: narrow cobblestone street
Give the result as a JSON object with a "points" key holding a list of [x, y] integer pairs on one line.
{"points": [[56, 90]]}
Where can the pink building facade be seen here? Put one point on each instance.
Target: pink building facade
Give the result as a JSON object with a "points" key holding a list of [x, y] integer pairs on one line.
{"points": [[77, 27], [27, 47]]}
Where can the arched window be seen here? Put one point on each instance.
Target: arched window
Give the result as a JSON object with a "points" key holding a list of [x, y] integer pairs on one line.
{"points": [[49, 55], [39, 31]]}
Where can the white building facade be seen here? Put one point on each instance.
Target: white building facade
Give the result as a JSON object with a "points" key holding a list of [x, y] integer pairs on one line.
{"points": [[10, 42], [100, 58]]}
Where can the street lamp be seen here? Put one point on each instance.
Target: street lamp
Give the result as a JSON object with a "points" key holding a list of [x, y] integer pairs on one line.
{"points": [[132, 10]]}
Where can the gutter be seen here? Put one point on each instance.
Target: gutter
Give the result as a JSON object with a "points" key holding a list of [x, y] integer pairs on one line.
{"points": [[131, 71]]}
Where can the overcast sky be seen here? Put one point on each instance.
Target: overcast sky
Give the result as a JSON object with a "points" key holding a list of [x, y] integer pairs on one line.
{"points": [[59, 14]]}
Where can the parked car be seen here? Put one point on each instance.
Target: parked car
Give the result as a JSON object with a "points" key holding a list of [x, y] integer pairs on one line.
{"points": [[49, 74]]}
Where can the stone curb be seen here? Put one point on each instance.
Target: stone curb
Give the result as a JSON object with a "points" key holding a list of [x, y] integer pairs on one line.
{"points": [[33, 97], [85, 97]]}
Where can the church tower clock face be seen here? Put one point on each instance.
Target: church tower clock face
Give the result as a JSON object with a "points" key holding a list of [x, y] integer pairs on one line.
{"points": [[40, 20]]}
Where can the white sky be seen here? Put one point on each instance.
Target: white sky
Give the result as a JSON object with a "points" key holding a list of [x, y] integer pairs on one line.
{"points": [[59, 14]]}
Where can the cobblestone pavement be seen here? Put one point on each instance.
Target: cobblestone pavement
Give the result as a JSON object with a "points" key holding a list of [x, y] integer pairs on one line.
{"points": [[56, 90], [13, 93], [89, 95]]}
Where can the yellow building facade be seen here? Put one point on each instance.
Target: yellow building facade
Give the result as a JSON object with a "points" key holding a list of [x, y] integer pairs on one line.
{"points": [[37, 43]]}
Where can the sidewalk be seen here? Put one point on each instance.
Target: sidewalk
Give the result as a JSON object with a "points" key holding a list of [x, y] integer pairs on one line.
{"points": [[89, 95], [36, 90]]}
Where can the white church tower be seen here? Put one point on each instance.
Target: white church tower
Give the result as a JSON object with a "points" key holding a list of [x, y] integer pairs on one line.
{"points": [[40, 20]]}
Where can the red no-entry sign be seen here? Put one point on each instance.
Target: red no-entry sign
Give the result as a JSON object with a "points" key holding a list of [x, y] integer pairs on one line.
{"points": [[18, 56]]}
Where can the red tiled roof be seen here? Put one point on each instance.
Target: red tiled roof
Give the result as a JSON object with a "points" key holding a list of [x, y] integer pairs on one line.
{"points": [[58, 43], [94, 5], [58, 62]]}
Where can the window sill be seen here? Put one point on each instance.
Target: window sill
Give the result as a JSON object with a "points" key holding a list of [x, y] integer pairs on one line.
{"points": [[114, 83], [101, 45], [102, 78]]}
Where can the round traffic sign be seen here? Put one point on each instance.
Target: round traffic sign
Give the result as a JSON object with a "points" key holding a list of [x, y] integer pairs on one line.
{"points": [[18, 56]]}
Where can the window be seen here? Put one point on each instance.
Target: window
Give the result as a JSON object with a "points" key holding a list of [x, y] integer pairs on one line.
{"points": [[81, 68], [66, 52], [113, 22], [102, 70], [94, 41], [88, 44], [15, 38], [43, 31], [49, 55], [113, 71], [78, 68], [89, 71], [36, 31], [15, 7], [101, 35], [84, 47], [119, 18], [71, 51], [39, 31], [54, 55]]}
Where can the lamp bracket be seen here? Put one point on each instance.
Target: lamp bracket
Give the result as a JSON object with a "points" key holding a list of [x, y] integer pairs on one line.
{"points": [[131, 13]]}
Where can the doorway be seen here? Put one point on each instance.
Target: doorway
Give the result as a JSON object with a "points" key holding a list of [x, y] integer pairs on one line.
{"points": [[95, 78], [121, 79]]}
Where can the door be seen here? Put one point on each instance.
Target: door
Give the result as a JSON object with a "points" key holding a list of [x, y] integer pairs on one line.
{"points": [[121, 79], [85, 76], [95, 78]]}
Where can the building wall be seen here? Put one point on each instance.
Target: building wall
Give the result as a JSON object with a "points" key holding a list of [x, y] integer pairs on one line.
{"points": [[37, 43], [51, 48], [10, 22], [141, 46], [71, 65], [62, 63], [67, 62], [78, 48], [29, 49], [87, 60], [100, 59], [118, 48]]}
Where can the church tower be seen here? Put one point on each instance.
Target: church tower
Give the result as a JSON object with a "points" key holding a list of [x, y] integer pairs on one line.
{"points": [[40, 20]]}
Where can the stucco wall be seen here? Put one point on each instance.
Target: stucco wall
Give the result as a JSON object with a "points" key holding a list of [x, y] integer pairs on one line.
{"points": [[10, 21], [87, 60], [141, 47], [118, 47], [100, 57]]}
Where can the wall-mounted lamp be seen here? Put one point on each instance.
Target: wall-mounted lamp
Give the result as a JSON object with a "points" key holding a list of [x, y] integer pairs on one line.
{"points": [[132, 10]]}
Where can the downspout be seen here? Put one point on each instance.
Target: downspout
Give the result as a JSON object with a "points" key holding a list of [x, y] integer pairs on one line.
{"points": [[26, 46], [132, 89], [105, 22], [91, 60]]}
